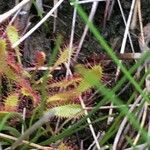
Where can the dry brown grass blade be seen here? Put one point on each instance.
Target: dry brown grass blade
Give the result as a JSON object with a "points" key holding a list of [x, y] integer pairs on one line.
{"points": [[5, 136], [6, 15]]}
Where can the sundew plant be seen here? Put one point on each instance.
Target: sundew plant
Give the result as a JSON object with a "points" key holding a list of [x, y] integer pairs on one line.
{"points": [[63, 98]]}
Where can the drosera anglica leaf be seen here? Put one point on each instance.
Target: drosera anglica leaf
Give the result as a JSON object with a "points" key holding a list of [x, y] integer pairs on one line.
{"points": [[3, 54], [3, 51], [11, 102], [66, 82], [12, 34], [63, 146], [63, 97], [68, 111], [96, 70], [13, 37], [63, 57]]}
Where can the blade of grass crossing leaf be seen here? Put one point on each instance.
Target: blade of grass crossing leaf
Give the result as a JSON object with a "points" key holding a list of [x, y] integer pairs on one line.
{"points": [[76, 127], [110, 95], [109, 51]]}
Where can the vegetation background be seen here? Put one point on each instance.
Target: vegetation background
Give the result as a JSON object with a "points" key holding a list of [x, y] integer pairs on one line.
{"points": [[74, 74]]}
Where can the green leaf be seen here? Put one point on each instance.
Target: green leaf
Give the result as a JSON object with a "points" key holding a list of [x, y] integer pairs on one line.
{"points": [[63, 97], [68, 111], [63, 57], [13, 37], [11, 102], [96, 70], [2, 48], [12, 34]]}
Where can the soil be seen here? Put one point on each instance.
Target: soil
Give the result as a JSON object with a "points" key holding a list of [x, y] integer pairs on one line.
{"points": [[4, 7], [113, 32]]}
